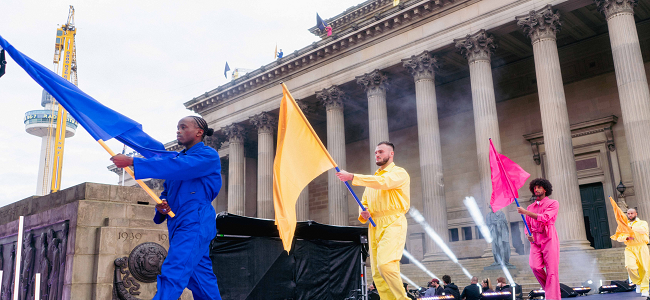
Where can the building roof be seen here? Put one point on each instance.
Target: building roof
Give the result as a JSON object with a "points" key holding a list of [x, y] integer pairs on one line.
{"points": [[347, 39]]}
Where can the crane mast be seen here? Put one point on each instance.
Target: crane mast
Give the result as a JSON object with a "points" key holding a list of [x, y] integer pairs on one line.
{"points": [[65, 64]]}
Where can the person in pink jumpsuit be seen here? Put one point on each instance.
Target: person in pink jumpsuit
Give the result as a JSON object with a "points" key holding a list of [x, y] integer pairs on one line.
{"points": [[544, 257]]}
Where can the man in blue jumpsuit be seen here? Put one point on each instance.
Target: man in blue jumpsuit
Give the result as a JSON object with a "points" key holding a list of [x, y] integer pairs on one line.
{"points": [[192, 181]]}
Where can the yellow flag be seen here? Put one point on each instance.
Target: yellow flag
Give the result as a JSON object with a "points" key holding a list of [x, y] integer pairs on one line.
{"points": [[275, 54], [395, 2], [300, 158], [621, 220]]}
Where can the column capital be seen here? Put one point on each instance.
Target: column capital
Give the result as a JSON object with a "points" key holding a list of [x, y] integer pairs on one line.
{"points": [[332, 97], [610, 8], [215, 140], [541, 24], [477, 46], [421, 66], [305, 106], [264, 122], [373, 82], [235, 133]]}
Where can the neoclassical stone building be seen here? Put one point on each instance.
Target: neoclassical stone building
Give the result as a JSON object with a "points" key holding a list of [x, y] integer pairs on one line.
{"points": [[559, 86]]}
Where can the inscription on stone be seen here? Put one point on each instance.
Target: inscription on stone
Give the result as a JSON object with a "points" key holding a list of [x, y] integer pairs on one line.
{"points": [[127, 236]]}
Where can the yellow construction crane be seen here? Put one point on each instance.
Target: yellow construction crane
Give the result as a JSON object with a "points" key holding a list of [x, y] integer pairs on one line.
{"points": [[65, 64]]}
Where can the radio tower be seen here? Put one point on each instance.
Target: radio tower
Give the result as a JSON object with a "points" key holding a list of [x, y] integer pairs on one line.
{"points": [[52, 124]]}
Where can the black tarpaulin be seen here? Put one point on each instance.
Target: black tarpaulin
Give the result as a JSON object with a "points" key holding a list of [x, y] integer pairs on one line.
{"points": [[250, 263]]}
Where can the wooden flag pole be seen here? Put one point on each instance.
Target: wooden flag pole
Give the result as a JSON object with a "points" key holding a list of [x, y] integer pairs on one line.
{"points": [[142, 184]]}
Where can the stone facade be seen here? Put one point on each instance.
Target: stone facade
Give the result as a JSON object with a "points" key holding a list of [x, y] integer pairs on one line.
{"points": [[559, 86]]}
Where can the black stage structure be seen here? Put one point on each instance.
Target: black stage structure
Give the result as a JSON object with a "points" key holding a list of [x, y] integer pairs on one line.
{"points": [[326, 262]]}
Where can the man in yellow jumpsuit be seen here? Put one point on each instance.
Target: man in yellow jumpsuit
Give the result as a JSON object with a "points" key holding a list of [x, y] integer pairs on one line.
{"points": [[637, 256], [387, 198]]}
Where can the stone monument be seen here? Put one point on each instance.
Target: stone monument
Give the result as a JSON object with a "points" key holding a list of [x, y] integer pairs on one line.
{"points": [[500, 233], [90, 241]]}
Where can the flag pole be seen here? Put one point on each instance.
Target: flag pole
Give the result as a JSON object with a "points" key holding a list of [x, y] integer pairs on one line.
{"points": [[511, 188], [142, 184], [357, 198], [284, 87]]}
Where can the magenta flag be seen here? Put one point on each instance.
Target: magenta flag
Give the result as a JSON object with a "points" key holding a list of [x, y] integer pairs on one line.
{"points": [[507, 178]]}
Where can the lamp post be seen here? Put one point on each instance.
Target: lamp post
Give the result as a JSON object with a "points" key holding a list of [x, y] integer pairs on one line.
{"points": [[621, 189]]}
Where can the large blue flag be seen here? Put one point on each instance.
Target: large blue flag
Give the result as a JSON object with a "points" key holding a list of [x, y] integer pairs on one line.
{"points": [[100, 121]]}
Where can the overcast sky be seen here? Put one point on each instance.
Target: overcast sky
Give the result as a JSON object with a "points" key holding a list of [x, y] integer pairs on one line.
{"points": [[141, 58]]}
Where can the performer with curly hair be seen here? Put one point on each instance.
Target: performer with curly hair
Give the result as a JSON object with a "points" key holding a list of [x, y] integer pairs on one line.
{"points": [[544, 257], [192, 181]]}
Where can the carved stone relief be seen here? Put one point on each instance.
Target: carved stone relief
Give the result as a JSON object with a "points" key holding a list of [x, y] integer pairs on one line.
{"points": [[44, 251], [143, 264]]}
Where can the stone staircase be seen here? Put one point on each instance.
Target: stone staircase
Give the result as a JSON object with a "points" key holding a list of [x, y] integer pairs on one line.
{"points": [[575, 267]]}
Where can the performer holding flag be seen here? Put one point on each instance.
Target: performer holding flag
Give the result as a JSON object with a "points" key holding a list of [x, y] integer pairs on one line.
{"points": [[192, 181], [634, 233], [544, 260], [388, 198], [544, 257], [193, 178]]}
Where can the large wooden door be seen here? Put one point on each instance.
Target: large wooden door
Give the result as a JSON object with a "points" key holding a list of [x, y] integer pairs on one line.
{"points": [[594, 209]]}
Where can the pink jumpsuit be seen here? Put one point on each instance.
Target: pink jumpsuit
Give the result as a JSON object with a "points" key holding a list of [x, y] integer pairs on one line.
{"points": [[545, 249]]}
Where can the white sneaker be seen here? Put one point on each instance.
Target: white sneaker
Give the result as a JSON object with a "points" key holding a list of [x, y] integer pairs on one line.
{"points": [[644, 294], [638, 289]]}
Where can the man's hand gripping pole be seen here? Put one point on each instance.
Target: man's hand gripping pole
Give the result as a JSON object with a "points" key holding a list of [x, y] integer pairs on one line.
{"points": [[142, 184], [357, 198]]}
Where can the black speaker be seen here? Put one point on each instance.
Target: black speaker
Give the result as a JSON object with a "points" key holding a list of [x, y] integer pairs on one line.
{"points": [[622, 286], [567, 291]]}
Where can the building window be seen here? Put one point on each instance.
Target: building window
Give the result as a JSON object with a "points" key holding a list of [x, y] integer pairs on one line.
{"points": [[479, 235], [453, 235], [467, 233]]}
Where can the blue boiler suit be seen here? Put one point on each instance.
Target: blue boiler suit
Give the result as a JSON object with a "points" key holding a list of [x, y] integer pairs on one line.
{"points": [[193, 180]]}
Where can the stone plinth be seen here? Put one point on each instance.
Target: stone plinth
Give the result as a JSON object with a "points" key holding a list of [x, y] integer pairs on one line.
{"points": [[103, 223]]}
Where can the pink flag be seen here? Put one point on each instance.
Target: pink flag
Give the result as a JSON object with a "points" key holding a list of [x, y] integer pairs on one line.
{"points": [[507, 178]]}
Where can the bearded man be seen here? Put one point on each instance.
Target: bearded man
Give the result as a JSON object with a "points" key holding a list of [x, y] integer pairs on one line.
{"points": [[387, 198]]}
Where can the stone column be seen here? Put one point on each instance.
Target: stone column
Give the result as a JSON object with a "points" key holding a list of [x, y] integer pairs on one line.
{"points": [[265, 124], [236, 188], [214, 141], [433, 189], [477, 49], [541, 27], [337, 196], [632, 92], [302, 205], [375, 83]]}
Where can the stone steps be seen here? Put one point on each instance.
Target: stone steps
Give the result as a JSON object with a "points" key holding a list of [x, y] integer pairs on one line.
{"points": [[575, 268]]}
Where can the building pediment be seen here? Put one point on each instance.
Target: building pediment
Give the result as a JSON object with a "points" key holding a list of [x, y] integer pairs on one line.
{"points": [[347, 40]]}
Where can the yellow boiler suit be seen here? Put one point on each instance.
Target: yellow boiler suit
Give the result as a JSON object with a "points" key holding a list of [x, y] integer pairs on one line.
{"points": [[637, 256], [387, 197]]}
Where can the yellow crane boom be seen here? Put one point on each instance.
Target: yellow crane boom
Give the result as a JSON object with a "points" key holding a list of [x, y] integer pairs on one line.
{"points": [[65, 61]]}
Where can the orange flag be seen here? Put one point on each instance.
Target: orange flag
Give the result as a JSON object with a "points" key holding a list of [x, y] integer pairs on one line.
{"points": [[300, 158], [621, 220]]}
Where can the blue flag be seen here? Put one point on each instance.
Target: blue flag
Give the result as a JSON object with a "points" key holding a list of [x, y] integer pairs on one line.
{"points": [[320, 23], [100, 121], [225, 71]]}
